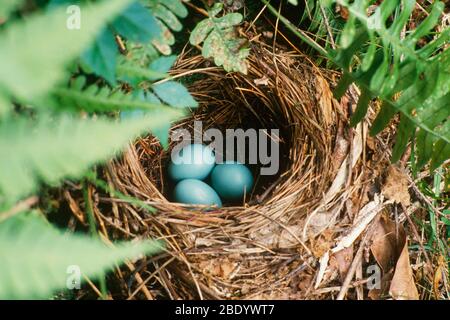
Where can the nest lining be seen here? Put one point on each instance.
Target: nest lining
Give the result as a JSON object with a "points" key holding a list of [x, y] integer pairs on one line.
{"points": [[251, 250]]}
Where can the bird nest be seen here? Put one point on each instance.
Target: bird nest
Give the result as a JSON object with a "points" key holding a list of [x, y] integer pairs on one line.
{"points": [[270, 245]]}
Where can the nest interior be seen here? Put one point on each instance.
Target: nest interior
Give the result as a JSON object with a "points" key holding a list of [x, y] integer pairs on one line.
{"points": [[267, 246]]}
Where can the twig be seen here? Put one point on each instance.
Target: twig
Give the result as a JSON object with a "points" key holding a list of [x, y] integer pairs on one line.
{"points": [[199, 10], [356, 261], [327, 26], [87, 193], [417, 236], [21, 206]]}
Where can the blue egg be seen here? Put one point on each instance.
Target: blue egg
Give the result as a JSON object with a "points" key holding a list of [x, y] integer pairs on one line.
{"points": [[194, 161], [192, 191], [231, 180]]}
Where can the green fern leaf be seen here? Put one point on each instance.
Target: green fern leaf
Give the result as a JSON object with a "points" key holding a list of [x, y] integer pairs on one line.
{"points": [[163, 64], [135, 72], [361, 107], [31, 50], [38, 259], [441, 153], [130, 72], [168, 17], [101, 57], [176, 6], [96, 99], [63, 147], [8, 6], [166, 13], [175, 94], [418, 79], [220, 41], [137, 23]]}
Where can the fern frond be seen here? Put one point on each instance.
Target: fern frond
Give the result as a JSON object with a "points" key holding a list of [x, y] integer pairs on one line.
{"points": [[8, 6], [132, 73], [38, 259], [64, 147], [147, 23], [408, 78], [36, 51], [392, 65], [142, 64], [167, 13], [95, 99], [103, 99]]}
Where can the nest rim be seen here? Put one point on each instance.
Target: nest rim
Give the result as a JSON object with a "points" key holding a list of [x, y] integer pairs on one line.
{"points": [[301, 93]]}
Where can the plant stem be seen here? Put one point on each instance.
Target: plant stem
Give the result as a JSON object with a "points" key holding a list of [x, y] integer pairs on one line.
{"points": [[93, 231], [297, 32]]}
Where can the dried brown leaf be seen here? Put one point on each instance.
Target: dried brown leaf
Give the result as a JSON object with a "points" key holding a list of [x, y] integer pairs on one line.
{"points": [[403, 286], [387, 243], [390, 249], [342, 261], [396, 186], [439, 276]]}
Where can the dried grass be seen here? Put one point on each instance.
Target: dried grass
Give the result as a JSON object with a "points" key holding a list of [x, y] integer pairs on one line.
{"points": [[285, 241], [254, 250]]}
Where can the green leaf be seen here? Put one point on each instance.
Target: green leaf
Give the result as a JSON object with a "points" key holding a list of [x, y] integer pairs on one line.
{"points": [[166, 38], [166, 12], [8, 6], [215, 9], [62, 147], [201, 31], [385, 115], [400, 21], [226, 53], [38, 259], [163, 64], [161, 133], [163, 136], [342, 86], [169, 18], [228, 21], [427, 25], [137, 23], [369, 57], [36, 62], [348, 33], [404, 133], [101, 57], [175, 94], [220, 40], [52, 4], [383, 63], [96, 99], [130, 71], [441, 153], [176, 6], [361, 107], [424, 144], [5, 104], [379, 76], [134, 74]]}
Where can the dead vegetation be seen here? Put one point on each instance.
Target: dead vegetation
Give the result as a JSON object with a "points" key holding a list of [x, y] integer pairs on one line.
{"points": [[330, 226]]}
